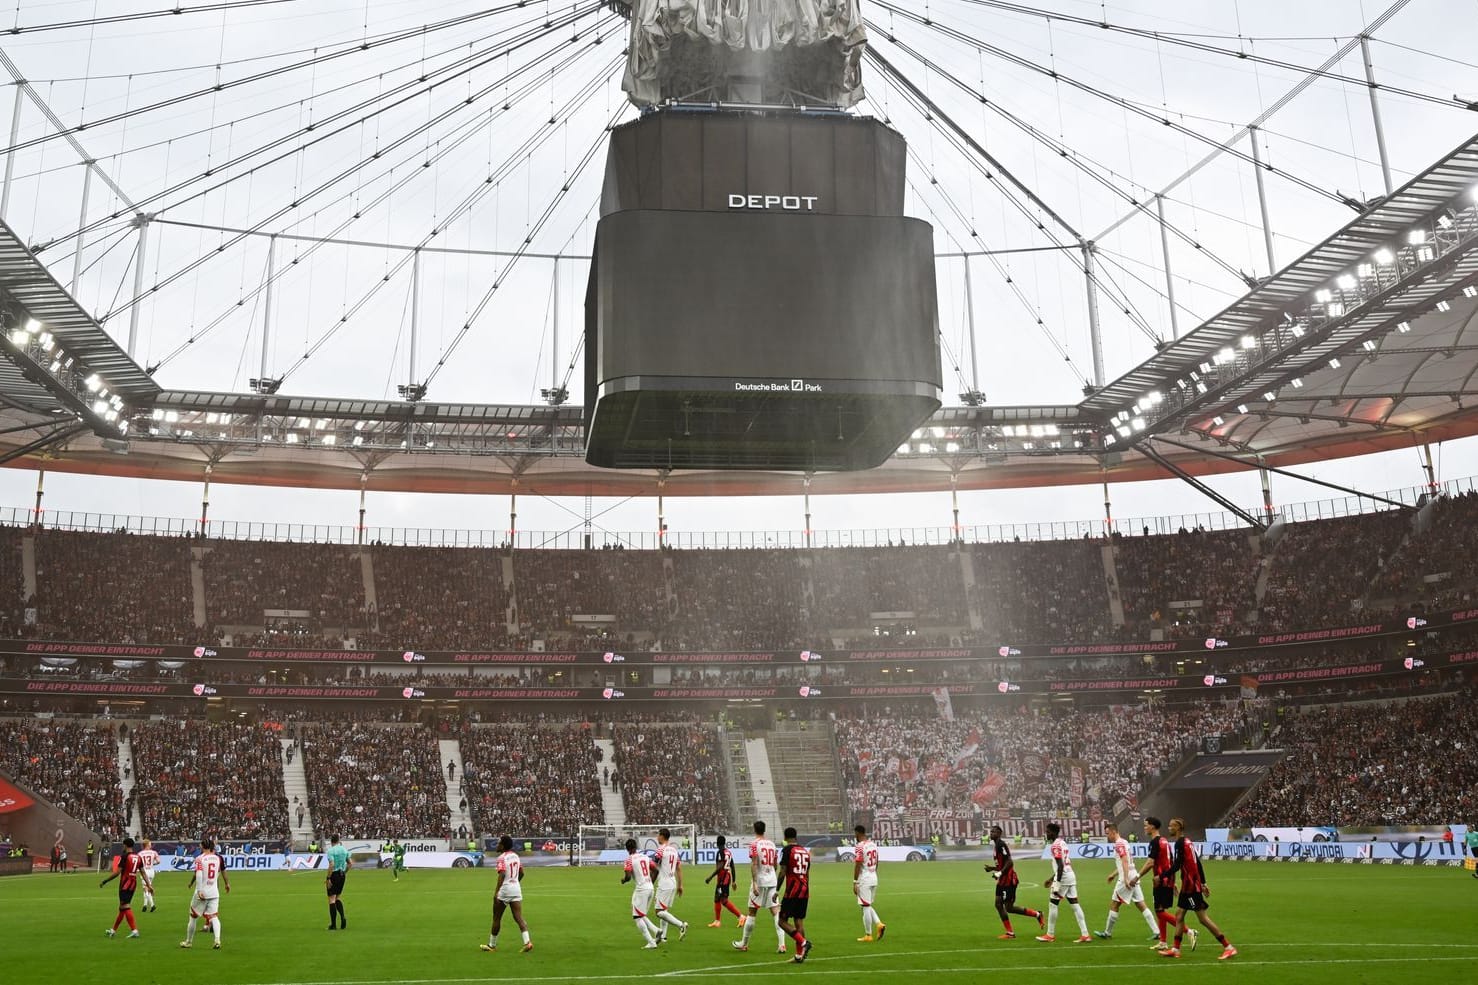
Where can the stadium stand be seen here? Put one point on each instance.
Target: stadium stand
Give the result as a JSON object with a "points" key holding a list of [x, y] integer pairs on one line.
{"points": [[1323, 568], [114, 586], [1028, 592], [671, 773], [218, 779], [1217, 569], [244, 578], [374, 781], [71, 764], [440, 597], [12, 584], [530, 779]]}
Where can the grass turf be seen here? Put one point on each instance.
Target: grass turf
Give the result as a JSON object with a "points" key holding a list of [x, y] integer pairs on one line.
{"points": [[1291, 923]]}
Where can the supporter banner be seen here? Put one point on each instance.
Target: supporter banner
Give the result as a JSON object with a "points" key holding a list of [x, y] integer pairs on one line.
{"points": [[12, 799], [1376, 851], [1242, 769], [1251, 641]]}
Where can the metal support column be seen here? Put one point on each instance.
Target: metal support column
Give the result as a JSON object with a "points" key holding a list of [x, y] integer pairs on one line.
{"points": [[40, 485], [1380, 133], [554, 345], [415, 314], [661, 511], [807, 494], [1169, 280], [1428, 469], [1201, 487], [1095, 337], [970, 314], [137, 307], [363, 489], [512, 512], [267, 303], [1267, 491], [1108, 508], [1347, 490], [15, 135], [954, 505], [81, 225], [1262, 199], [205, 504]]}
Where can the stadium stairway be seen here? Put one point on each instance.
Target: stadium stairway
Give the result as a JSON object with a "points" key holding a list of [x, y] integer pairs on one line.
{"points": [[451, 752], [125, 782], [803, 761], [610, 800], [762, 783], [1111, 582], [197, 584], [371, 598], [295, 784]]}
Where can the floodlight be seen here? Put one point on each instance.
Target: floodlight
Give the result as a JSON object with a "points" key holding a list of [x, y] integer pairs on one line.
{"points": [[1384, 257], [1345, 282], [1404, 327], [1334, 363], [1416, 237]]}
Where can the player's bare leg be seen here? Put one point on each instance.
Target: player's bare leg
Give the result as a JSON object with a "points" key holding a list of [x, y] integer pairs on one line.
{"points": [[498, 907], [523, 928]]}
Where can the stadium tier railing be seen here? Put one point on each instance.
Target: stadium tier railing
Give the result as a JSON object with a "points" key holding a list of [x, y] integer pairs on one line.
{"points": [[316, 533]]}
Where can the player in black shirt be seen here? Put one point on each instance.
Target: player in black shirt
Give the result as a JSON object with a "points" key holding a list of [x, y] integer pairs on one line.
{"points": [[795, 862], [723, 871], [1004, 873]]}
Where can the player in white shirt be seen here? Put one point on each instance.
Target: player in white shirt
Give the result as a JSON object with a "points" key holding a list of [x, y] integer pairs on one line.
{"points": [[1064, 885], [865, 886], [205, 897], [149, 859], [1126, 886], [639, 868], [669, 885], [763, 888], [508, 896]]}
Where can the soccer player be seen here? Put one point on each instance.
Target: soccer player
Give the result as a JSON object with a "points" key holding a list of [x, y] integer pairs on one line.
{"points": [[639, 868], [149, 859], [795, 862], [508, 895], [1126, 886], [865, 885], [669, 885], [1193, 893], [397, 855], [128, 873], [1470, 844], [1162, 861], [205, 901], [763, 883], [337, 857], [723, 871], [1064, 885], [1004, 872]]}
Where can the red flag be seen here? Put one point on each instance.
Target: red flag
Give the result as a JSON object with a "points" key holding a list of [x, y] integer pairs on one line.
{"points": [[988, 790]]}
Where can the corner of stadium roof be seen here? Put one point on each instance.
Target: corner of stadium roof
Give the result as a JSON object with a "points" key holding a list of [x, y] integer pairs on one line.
{"points": [[1364, 344]]}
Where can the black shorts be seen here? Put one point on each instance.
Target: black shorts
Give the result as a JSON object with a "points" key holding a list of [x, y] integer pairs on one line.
{"points": [[794, 907], [335, 883], [1194, 901], [720, 892], [1006, 894], [125, 898], [1164, 897]]}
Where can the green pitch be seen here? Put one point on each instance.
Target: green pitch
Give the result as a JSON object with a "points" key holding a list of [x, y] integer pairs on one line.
{"points": [[1291, 923]]}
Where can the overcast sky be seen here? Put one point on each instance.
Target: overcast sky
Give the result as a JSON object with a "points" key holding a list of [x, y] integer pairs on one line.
{"points": [[1032, 346]]}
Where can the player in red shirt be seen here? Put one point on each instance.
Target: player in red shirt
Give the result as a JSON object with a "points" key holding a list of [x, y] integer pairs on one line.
{"points": [[1193, 893], [1004, 873], [1161, 860], [129, 871], [795, 862], [723, 871]]}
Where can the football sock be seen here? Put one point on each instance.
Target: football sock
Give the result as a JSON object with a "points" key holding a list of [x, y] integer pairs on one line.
{"points": [[746, 930], [1007, 923], [779, 932], [132, 923], [1052, 920], [1223, 939], [733, 909], [718, 910], [492, 940], [333, 916], [1113, 918], [343, 919], [666, 917], [798, 937], [1164, 921], [117, 920], [525, 935], [641, 926], [190, 930], [1149, 920], [867, 920], [1082, 920], [215, 928], [876, 917]]}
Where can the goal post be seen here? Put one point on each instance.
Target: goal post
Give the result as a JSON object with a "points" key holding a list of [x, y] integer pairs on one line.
{"points": [[605, 844]]}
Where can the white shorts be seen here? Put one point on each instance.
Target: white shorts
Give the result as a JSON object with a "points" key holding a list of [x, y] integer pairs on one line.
{"points": [[511, 893], [149, 877], [207, 907], [1128, 894], [641, 902], [763, 897], [665, 896], [1065, 888], [867, 890]]}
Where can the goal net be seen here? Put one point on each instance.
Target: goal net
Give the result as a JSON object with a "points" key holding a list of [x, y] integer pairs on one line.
{"points": [[605, 844]]}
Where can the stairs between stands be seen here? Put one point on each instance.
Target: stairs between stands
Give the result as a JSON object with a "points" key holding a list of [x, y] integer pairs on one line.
{"points": [[451, 752], [1111, 581], [743, 790], [371, 599], [28, 564], [126, 774], [197, 584], [510, 614], [295, 784], [762, 785], [610, 800], [807, 786]]}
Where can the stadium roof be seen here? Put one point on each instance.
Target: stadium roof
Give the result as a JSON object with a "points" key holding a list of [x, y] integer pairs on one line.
{"points": [[1363, 344]]}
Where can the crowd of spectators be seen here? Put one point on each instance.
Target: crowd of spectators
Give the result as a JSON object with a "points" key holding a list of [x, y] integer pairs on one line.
{"points": [[373, 781], [244, 578], [120, 587], [1062, 760], [1407, 762], [1042, 592], [671, 773], [1446, 551], [521, 779], [443, 598], [71, 765], [219, 779], [851, 583], [1216, 568], [1322, 569], [742, 600], [12, 584], [556, 586]]}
